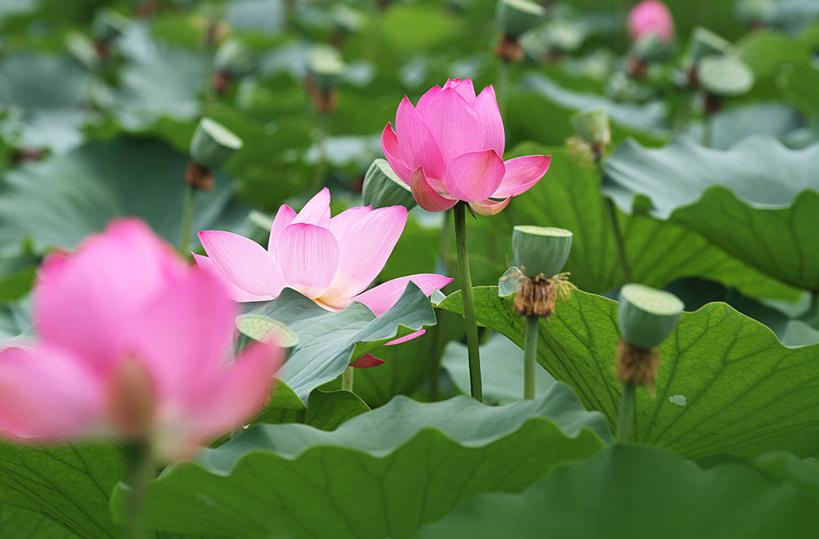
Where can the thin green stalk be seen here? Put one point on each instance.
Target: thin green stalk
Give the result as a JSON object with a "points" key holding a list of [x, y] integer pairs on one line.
{"points": [[347, 379], [321, 166], [619, 241], [530, 357], [140, 472], [439, 340], [465, 276], [187, 220], [814, 309], [707, 131], [625, 426]]}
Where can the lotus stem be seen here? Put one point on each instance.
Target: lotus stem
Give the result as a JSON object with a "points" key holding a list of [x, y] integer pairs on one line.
{"points": [[475, 384], [187, 220], [503, 86], [619, 241], [140, 472], [530, 357], [347, 379], [321, 166], [625, 426]]}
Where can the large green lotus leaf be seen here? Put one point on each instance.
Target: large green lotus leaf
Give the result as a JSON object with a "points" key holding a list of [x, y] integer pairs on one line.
{"points": [[726, 384], [71, 485], [382, 474], [501, 369], [329, 341], [629, 492], [758, 200], [18, 523], [59, 201], [658, 252]]}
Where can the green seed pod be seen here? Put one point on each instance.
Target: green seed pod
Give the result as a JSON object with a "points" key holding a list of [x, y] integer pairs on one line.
{"points": [[756, 10], [707, 43], [725, 76], [647, 316], [347, 20], [541, 250], [212, 143], [592, 126], [516, 17], [326, 67], [108, 25], [233, 58], [383, 187], [261, 328]]}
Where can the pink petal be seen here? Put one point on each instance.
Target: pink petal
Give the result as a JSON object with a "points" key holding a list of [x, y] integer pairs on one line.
{"points": [[236, 293], [316, 211], [48, 394], [453, 124], [522, 173], [489, 206], [474, 176], [366, 361], [308, 256], [427, 197], [417, 146], [406, 338], [82, 301], [463, 87], [183, 334], [284, 217], [389, 145], [224, 402], [486, 107], [365, 243], [381, 298], [242, 262]]}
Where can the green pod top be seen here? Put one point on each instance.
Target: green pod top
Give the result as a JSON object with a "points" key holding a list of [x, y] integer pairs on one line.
{"points": [[592, 126], [725, 76], [326, 67], [383, 187], [647, 316], [233, 58], [707, 43], [541, 250], [516, 17], [212, 143]]}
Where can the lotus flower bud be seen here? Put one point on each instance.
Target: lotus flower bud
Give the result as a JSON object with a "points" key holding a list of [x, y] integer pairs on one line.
{"points": [[212, 143], [592, 126], [516, 17], [647, 316], [541, 250], [651, 17], [383, 187], [233, 59]]}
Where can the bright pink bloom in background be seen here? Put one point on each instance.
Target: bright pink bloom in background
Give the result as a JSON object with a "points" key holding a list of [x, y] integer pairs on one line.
{"points": [[133, 343], [449, 148], [331, 260], [651, 17]]}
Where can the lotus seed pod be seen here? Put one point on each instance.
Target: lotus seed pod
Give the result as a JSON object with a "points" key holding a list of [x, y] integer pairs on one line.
{"points": [[108, 25], [347, 20], [383, 187], [233, 58], [725, 76], [541, 250], [326, 67], [756, 10], [592, 126], [647, 316], [212, 143], [516, 17], [707, 43]]}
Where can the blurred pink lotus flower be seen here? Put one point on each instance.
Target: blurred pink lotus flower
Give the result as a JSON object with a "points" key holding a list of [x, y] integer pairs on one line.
{"points": [[132, 344], [449, 148], [331, 260], [651, 17]]}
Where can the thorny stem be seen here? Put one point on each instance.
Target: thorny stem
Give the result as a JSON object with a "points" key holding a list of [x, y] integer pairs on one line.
{"points": [[475, 384], [530, 357]]}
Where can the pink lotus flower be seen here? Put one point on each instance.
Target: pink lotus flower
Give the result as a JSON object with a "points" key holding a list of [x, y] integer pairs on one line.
{"points": [[331, 260], [449, 148], [132, 344], [650, 17]]}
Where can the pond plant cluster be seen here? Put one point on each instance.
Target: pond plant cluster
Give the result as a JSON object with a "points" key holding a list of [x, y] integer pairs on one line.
{"points": [[409, 268]]}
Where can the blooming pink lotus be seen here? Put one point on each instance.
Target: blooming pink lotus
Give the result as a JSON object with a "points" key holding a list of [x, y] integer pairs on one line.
{"points": [[132, 344], [651, 17], [331, 260], [449, 148]]}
